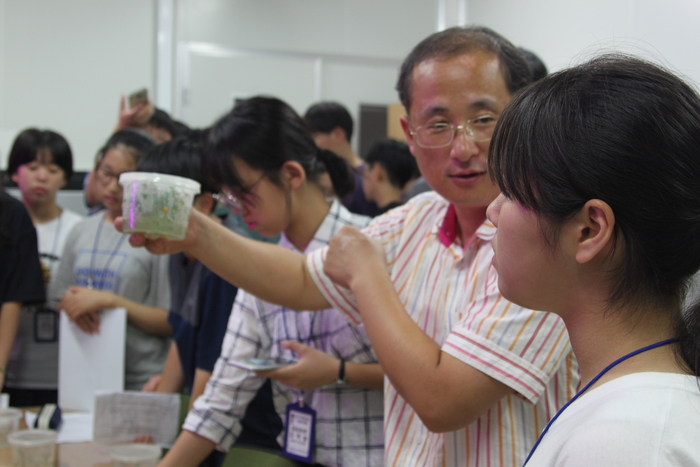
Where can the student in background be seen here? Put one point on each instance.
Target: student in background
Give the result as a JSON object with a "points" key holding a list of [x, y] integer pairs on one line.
{"points": [[200, 307], [268, 164], [100, 270], [40, 163], [331, 126], [21, 278], [389, 167]]}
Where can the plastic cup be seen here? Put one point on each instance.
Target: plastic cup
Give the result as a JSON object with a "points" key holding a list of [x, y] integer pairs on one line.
{"points": [[33, 448], [157, 205], [9, 422], [135, 455]]}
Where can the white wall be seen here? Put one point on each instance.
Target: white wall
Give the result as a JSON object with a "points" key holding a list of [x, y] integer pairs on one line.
{"points": [[564, 32], [300, 51], [63, 65]]}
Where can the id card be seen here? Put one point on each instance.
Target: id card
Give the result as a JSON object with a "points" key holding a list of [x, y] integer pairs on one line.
{"points": [[299, 432], [45, 325]]}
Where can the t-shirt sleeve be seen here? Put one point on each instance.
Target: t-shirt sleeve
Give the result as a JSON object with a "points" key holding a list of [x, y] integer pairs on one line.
{"points": [[217, 413], [65, 273], [387, 229], [520, 348], [25, 279], [216, 297]]}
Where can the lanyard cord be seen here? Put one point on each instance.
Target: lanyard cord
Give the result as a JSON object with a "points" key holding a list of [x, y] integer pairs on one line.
{"points": [[592, 382], [91, 280]]}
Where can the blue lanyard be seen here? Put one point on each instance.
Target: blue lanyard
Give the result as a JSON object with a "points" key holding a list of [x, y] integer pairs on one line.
{"points": [[591, 383], [91, 281]]}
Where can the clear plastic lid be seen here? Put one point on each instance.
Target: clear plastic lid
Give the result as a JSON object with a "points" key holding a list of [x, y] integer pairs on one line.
{"points": [[172, 180]]}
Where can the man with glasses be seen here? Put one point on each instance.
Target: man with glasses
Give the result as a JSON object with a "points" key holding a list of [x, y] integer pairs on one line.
{"points": [[471, 379]]}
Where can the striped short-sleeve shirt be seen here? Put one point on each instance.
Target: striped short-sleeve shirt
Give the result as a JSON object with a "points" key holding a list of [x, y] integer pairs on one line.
{"points": [[451, 292]]}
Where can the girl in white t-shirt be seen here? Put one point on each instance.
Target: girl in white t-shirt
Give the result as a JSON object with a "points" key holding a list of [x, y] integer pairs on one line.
{"points": [[598, 221], [40, 163]]}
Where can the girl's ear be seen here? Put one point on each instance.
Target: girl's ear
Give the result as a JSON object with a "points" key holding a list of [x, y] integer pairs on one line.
{"points": [[595, 224], [293, 174]]}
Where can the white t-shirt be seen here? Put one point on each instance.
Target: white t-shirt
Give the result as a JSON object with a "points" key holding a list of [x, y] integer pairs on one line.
{"points": [[642, 419]]}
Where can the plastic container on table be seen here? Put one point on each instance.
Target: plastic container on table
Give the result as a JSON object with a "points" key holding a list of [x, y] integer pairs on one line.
{"points": [[33, 448], [135, 455], [157, 205], [9, 422]]}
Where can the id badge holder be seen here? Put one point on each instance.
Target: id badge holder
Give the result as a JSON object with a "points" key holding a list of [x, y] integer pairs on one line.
{"points": [[45, 325], [299, 432]]}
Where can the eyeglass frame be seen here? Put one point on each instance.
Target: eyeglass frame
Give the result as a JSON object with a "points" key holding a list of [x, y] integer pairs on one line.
{"points": [[233, 202], [468, 131], [110, 176]]}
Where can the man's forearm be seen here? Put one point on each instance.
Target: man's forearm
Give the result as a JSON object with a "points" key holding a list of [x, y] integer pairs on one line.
{"points": [[270, 272]]}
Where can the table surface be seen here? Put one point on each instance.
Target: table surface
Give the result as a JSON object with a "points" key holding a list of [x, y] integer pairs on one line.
{"points": [[87, 454]]}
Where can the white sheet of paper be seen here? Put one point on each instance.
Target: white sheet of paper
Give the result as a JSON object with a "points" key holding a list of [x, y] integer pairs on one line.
{"points": [[121, 416], [88, 363]]}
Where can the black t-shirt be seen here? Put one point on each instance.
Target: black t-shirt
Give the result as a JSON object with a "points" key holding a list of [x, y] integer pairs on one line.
{"points": [[21, 278]]}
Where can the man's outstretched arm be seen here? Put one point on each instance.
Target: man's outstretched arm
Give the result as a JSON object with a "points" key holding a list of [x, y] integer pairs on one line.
{"points": [[270, 272]]}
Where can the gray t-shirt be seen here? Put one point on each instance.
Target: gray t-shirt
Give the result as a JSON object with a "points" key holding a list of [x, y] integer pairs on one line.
{"points": [[98, 255]]}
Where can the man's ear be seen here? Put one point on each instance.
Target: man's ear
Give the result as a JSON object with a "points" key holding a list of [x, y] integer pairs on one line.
{"points": [[406, 127], [14, 178], [293, 174], [595, 228]]}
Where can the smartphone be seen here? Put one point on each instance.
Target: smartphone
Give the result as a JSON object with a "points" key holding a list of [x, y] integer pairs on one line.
{"points": [[261, 364], [138, 97]]}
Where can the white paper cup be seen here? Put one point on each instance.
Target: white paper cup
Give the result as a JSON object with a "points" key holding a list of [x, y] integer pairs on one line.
{"points": [[156, 204], [135, 455], [9, 422], [33, 448]]}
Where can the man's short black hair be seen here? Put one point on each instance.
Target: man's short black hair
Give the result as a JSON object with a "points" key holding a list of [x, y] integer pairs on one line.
{"points": [[396, 159], [326, 116]]}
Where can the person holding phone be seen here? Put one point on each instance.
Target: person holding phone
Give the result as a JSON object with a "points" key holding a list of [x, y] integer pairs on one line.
{"points": [[598, 222], [264, 156]]}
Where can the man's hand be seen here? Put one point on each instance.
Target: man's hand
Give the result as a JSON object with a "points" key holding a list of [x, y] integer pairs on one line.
{"points": [[161, 246], [350, 252], [313, 370]]}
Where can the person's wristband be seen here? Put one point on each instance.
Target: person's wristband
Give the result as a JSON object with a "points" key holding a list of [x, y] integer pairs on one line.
{"points": [[2, 369], [341, 373]]}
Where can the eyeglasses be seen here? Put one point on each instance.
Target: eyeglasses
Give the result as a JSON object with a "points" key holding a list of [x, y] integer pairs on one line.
{"points": [[105, 176], [237, 200], [441, 134]]}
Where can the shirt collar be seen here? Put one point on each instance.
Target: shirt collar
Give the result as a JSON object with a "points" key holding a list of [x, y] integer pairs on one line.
{"points": [[447, 233]]}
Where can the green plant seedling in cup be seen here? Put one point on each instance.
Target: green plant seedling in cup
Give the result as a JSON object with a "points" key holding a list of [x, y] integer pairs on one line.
{"points": [[157, 205]]}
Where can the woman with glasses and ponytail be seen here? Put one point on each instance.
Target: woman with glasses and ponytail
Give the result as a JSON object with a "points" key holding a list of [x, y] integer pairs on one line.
{"points": [[268, 165]]}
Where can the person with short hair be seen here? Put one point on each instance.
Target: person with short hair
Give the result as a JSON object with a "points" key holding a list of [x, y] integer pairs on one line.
{"points": [[331, 126], [40, 163], [389, 167], [598, 222]]}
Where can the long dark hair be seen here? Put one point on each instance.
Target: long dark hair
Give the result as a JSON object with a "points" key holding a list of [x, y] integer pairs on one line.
{"points": [[627, 132], [265, 132]]}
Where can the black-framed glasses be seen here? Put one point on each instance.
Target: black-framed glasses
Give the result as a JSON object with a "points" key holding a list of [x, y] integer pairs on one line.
{"points": [[105, 176], [441, 134], [237, 200]]}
